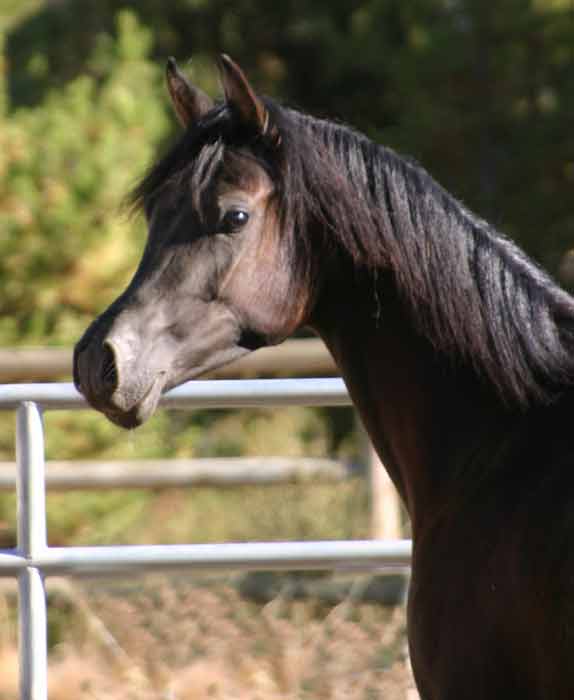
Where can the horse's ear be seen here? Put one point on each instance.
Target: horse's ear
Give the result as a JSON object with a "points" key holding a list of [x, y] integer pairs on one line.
{"points": [[241, 97], [190, 103]]}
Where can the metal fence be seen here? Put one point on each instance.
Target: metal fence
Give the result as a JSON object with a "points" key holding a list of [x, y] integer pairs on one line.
{"points": [[33, 559]]}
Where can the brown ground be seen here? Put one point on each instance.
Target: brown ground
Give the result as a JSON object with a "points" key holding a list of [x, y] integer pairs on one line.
{"points": [[173, 640]]}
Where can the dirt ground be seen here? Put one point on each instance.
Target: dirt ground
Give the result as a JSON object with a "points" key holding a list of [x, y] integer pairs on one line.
{"points": [[176, 639]]}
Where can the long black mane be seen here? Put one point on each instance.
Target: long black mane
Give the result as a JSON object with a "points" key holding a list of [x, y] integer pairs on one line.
{"points": [[472, 292]]}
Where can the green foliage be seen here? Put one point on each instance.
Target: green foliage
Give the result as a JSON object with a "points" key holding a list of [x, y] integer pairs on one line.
{"points": [[297, 511], [13, 11], [64, 168], [66, 248]]}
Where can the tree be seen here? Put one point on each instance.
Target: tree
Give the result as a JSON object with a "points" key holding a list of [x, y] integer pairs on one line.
{"points": [[65, 166], [479, 92]]}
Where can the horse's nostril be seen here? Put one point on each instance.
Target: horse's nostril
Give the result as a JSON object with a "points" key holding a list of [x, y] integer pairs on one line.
{"points": [[109, 372]]}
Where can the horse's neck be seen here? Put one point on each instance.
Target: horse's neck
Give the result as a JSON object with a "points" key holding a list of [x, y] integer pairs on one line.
{"points": [[420, 414]]}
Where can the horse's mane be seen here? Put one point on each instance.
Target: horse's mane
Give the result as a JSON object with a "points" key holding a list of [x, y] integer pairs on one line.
{"points": [[473, 293]]}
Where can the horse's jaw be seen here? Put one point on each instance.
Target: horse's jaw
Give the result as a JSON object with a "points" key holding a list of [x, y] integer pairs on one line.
{"points": [[133, 416]]}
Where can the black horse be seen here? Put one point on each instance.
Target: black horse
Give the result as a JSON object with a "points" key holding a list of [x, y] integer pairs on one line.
{"points": [[456, 349]]}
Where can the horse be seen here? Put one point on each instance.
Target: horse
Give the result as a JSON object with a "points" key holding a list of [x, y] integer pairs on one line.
{"points": [[456, 348]]}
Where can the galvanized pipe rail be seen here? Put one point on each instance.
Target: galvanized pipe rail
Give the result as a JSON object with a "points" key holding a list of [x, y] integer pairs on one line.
{"points": [[33, 559]]}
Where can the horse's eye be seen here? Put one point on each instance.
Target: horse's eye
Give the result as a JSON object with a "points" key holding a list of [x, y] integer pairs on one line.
{"points": [[233, 220]]}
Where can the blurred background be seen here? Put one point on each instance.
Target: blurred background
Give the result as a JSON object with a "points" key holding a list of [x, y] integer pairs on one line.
{"points": [[481, 93]]}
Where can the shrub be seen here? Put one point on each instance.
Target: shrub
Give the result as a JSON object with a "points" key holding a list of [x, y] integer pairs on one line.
{"points": [[64, 168]]}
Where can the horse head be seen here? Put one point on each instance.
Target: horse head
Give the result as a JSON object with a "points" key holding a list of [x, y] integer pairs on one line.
{"points": [[212, 283]]}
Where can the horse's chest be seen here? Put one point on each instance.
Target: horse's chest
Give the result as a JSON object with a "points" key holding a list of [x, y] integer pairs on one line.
{"points": [[445, 636], [482, 625], [457, 636]]}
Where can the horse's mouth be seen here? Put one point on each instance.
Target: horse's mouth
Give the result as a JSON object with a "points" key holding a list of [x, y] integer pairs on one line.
{"points": [[135, 414], [141, 411]]}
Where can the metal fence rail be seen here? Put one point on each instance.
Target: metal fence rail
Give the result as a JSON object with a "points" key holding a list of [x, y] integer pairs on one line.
{"points": [[33, 559]]}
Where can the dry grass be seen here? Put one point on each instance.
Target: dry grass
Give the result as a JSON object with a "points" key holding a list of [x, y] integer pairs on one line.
{"points": [[169, 639]]}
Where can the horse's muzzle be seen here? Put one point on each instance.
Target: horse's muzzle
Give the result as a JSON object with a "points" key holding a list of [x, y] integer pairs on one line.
{"points": [[112, 385]]}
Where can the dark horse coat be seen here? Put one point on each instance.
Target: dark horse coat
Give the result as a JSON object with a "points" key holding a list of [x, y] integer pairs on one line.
{"points": [[456, 349]]}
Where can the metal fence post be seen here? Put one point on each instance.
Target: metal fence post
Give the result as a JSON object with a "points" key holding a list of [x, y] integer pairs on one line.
{"points": [[33, 558], [33, 646]]}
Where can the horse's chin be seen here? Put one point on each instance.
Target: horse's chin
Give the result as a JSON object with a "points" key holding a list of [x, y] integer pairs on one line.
{"points": [[141, 411]]}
